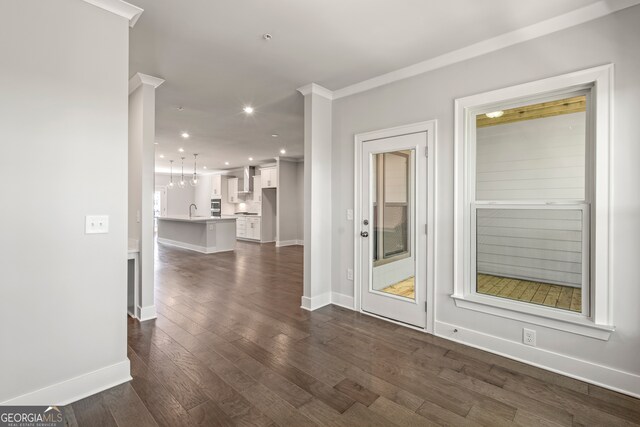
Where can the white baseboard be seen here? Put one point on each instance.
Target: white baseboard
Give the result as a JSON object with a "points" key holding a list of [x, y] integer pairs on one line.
{"points": [[77, 388], [342, 300], [316, 302], [146, 313], [603, 376], [288, 243], [197, 248]]}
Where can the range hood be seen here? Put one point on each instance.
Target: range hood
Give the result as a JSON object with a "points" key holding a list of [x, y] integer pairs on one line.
{"points": [[245, 182]]}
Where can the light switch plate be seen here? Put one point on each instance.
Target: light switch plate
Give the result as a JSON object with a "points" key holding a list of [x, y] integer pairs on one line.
{"points": [[350, 214], [97, 224]]}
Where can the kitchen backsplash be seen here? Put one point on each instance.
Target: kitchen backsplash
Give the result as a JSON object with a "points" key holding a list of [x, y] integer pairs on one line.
{"points": [[249, 206]]}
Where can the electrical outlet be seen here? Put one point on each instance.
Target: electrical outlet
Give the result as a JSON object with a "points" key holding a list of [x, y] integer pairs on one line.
{"points": [[529, 337], [350, 273]]}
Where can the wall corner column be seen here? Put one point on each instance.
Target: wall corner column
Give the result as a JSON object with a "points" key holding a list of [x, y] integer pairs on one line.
{"points": [[317, 196], [142, 110]]}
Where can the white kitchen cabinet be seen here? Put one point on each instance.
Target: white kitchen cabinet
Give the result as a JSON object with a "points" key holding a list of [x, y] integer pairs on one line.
{"points": [[249, 228], [253, 228], [257, 188], [216, 186], [232, 196], [241, 228], [269, 177]]}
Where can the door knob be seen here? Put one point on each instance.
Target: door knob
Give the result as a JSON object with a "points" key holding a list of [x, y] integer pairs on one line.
{"points": [[364, 233]]}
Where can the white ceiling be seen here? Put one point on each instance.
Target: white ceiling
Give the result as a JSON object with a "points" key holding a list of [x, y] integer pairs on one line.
{"points": [[215, 61]]}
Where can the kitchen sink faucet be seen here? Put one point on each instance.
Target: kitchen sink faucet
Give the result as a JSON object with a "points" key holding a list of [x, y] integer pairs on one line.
{"points": [[190, 214]]}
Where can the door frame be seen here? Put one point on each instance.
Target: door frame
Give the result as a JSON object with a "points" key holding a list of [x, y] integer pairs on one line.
{"points": [[430, 127]]}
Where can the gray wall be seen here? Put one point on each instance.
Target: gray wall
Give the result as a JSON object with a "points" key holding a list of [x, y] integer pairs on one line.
{"points": [[288, 202], [428, 96], [178, 199], [300, 180], [63, 115]]}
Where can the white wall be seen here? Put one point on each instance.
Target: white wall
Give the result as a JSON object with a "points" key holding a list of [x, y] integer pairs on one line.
{"points": [[63, 115], [431, 96], [178, 199]]}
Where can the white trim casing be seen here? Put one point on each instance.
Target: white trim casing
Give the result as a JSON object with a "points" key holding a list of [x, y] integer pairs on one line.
{"points": [[316, 89], [599, 324], [196, 248], [74, 389], [342, 300], [430, 127], [146, 313], [139, 79], [316, 302], [570, 19], [583, 370], [282, 243], [120, 8]]}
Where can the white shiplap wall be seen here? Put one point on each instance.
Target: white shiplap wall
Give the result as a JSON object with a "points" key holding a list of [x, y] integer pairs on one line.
{"points": [[531, 160], [533, 244]]}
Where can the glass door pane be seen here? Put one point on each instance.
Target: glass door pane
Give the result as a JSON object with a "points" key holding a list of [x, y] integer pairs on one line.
{"points": [[392, 203]]}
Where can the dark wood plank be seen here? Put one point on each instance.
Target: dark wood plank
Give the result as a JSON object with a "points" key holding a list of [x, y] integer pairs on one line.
{"points": [[231, 346], [93, 411], [356, 391]]}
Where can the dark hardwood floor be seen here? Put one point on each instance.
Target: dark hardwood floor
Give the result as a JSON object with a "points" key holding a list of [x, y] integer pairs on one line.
{"points": [[231, 346]]}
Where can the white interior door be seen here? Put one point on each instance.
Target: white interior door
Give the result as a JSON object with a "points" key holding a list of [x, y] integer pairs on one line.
{"points": [[393, 228]]}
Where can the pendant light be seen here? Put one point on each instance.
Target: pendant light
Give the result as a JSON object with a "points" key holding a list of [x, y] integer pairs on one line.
{"points": [[182, 182], [171, 186], [194, 179]]}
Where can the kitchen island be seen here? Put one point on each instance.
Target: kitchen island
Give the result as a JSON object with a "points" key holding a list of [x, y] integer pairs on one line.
{"points": [[206, 235]]}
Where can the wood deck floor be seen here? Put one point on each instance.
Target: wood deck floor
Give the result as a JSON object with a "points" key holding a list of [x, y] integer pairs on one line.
{"points": [[231, 346], [565, 297], [406, 288]]}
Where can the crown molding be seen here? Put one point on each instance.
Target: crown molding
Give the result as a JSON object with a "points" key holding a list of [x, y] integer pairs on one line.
{"points": [[140, 79], [552, 25], [121, 8], [317, 90]]}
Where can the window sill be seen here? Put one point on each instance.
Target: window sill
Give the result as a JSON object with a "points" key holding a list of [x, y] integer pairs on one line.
{"points": [[543, 316]]}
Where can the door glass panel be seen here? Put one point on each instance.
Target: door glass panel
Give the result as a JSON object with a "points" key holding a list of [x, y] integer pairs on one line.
{"points": [[392, 204]]}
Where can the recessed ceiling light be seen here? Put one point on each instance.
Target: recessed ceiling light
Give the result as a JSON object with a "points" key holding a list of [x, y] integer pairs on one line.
{"points": [[274, 135], [250, 159], [180, 108], [248, 109], [283, 151], [181, 150], [162, 156], [226, 163], [185, 134], [495, 114], [155, 143], [267, 36]]}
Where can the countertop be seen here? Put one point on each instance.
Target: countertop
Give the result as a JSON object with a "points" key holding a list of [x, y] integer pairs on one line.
{"points": [[197, 218]]}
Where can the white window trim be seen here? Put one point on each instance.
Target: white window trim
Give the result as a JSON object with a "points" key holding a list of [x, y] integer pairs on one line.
{"points": [[598, 323]]}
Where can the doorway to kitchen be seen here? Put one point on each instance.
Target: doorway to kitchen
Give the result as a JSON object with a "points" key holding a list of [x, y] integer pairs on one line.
{"points": [[394, 233]]}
